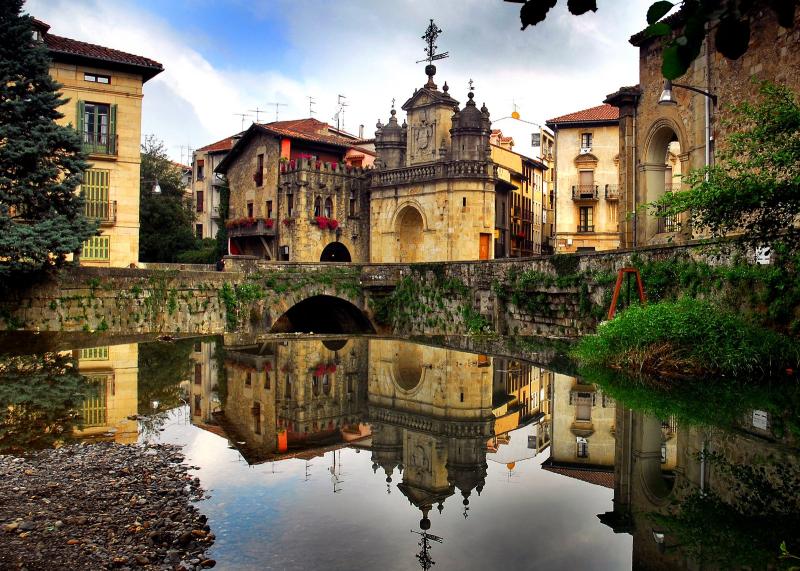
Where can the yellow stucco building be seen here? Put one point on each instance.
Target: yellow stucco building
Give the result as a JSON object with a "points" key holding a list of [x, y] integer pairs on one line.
{"points": [[587, 177], [103, 88]]}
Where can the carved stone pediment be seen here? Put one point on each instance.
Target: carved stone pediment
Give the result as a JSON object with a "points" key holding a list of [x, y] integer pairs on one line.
{"points": [[425, 97], [587, 160]]}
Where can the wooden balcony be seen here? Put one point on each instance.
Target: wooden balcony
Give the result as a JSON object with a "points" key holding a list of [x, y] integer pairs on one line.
{"points": [[259, 227], [585, 192]]}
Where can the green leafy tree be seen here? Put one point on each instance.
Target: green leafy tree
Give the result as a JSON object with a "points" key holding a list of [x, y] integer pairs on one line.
{"points": [[166, 218], [684, 34], [41, 162], [754, 189]]}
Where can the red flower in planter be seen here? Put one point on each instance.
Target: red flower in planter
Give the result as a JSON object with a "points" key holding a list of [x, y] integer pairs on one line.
{"points": [[287, 221], [333, 224], [331, 368], [292, 164], [319, 165], [267, 367], [320, 370], [268, 222], [322, 222]]}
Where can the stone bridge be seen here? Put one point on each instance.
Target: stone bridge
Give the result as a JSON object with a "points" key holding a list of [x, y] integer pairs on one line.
{"points": [[547, 295]]}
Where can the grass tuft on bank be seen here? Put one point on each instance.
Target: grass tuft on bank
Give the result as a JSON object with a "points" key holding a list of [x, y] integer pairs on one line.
{"points": [[687, 338]]}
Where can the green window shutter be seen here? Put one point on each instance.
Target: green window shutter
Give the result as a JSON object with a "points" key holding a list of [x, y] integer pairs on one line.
{"points": [[112, 129], [81, 117]]}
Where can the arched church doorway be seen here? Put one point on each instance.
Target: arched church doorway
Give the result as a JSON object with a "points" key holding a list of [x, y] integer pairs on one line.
{"points": [[335, 252], [409, 235], [662, 174]]}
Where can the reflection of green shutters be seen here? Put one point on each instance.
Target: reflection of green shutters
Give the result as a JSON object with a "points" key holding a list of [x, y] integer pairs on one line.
{"points": [[95, 193], [94, 354], [97, 248], [112, 130]]}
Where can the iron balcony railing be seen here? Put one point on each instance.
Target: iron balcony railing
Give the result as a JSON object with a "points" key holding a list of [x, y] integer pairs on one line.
{"points": [[584, 228], [612, 192], [260, 228], [667, 223], [585, 192], [100, 143], [102, 210]]}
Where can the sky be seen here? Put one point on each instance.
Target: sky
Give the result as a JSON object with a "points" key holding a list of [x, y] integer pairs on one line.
{"points": [[223, 57]]}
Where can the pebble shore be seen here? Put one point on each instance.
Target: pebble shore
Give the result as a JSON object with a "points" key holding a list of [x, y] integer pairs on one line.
{"points": [[102, 506]]}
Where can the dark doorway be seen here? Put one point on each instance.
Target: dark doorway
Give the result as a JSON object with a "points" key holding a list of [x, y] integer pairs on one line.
{"points": [[323, 314], [335, 252]]}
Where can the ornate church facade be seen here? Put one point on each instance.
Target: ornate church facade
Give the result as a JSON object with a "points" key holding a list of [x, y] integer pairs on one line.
{"points": [[433, 192]]}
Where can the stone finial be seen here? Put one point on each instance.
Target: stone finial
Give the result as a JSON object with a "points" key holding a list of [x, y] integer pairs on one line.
{"points": [[445, 87]]}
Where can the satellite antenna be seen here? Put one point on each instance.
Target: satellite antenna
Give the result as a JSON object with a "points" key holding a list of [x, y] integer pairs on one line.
{"points": [[243, 115], [340, 112], [277, 106]]}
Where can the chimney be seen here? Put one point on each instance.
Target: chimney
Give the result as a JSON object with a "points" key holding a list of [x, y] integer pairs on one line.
{"points": [[361, 131]]}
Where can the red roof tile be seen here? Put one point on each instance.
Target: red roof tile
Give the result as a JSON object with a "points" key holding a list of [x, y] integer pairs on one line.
{"points": [[307, 130], [597, 477], [225, 144], [59, 45], [601, 113]]}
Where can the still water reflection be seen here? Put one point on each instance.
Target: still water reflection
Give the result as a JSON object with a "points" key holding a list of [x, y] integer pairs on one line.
{"points": [[368, 453]]}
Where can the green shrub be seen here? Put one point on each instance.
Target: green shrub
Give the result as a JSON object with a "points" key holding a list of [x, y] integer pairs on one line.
{"points": [[688, 337]]}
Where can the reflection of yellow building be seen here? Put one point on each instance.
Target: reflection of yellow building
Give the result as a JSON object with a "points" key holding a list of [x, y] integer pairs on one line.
{"points": [[431, 414], [285, 398], [583, 421], [103, 88], [113, 372], [202, 390]]}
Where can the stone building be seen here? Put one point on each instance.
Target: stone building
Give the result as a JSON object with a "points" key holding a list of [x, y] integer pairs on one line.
{"points": [[432, 195], [102, 88], [293, 194], [651, 134], [521, 211], [205, 185], [587, 159]]}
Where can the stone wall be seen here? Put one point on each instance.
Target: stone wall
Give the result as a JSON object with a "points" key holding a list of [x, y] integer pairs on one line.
{"points": [[561, 296]]}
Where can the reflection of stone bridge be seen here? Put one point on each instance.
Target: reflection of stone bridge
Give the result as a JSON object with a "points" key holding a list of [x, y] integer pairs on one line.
{"points": [[253, 295]]}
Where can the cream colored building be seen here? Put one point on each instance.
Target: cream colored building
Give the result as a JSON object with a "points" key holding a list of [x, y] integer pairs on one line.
{"points": [[205, 185], [113, 372], [432, 196], [587, 177], [103, 88]]}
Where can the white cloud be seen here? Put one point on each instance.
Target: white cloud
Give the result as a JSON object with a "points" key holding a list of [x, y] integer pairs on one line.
{"points": [[365, 50]]}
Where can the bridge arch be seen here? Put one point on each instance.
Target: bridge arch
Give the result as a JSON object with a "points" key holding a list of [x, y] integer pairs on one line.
{"points": [[323, 314]]}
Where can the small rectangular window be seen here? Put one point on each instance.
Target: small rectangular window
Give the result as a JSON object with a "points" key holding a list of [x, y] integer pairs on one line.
{"points": [[198, 374], [464, 202], [199, 195], [249, 209], [290, 204], [201, 169], [586, 140], [97, 78], [269, 209], [198, 230]]}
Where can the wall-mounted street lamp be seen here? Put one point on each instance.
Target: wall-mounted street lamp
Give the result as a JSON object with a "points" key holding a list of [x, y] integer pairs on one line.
{"points": [[668, 99], [156, 188]]}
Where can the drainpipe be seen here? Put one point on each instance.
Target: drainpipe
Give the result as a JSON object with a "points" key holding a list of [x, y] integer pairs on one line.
{"points": [[635, 175], [555, 191]]}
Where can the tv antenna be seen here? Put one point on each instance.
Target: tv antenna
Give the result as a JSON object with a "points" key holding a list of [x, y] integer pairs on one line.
{"points": [[339, 116], [243, 116], [256, 111], [277, 105], [311, 104]]}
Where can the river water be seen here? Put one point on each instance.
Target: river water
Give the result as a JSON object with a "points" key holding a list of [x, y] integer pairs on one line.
{"points": [[371, 453]]}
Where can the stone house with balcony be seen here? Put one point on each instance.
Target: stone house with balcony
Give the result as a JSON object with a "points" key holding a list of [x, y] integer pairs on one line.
{"points": [[587, 172], [295, 194], [205, 185], [103, 89]]}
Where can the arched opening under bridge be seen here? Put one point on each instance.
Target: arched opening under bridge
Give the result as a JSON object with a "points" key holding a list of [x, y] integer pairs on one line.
{"points": [[323, 314]]}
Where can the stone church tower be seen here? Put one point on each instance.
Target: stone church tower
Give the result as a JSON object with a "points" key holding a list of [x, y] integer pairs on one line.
{"points": [[433, 187]]}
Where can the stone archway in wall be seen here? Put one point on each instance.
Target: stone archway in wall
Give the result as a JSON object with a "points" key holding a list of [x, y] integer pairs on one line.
{"points": [[409, 228], [665, 160], [335, 252]]}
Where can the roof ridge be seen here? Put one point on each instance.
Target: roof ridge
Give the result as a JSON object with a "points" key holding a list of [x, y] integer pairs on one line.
{"points": [[150, 62]]}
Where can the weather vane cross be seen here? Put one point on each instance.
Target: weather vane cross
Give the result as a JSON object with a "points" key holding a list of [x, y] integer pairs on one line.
{"points": [[430, 38]]}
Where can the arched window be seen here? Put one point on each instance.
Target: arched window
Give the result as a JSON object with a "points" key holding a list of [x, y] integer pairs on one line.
{"points": [[318, 206], [328, 207]]}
